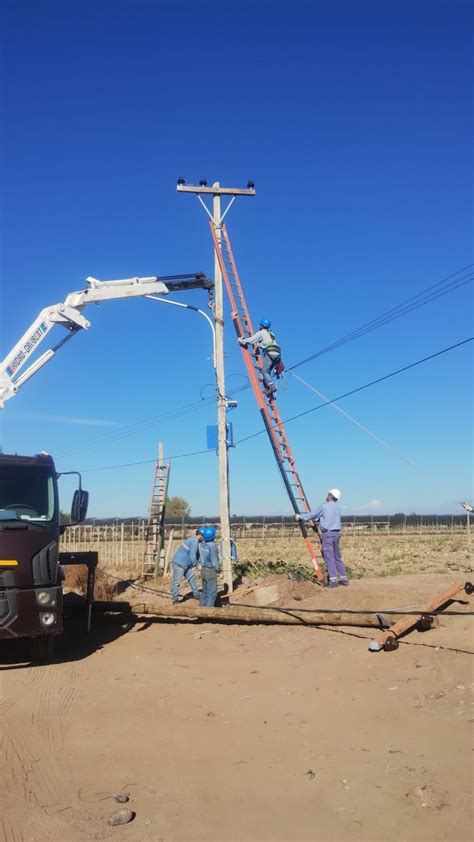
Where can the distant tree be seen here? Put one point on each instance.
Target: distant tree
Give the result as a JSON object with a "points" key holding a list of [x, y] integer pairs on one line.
{"points": [[177, 507]]}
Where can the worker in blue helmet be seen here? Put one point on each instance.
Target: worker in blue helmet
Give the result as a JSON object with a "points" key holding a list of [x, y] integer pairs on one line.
{"points": [[184, 563], [210, 567], [270, 350]]}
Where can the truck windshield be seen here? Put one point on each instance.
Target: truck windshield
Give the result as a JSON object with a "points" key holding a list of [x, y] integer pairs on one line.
{"points": [[27, 492]]}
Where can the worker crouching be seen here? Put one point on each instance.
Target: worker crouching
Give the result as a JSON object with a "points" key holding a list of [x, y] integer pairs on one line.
{"points": [[183, 563], [210, 567]]}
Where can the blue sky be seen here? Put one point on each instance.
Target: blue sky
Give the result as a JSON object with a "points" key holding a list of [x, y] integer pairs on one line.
{"points": [[353, 119]]}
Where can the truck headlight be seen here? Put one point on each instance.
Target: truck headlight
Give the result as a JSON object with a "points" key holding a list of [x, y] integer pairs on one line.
{"points": [[48, 618], [43, 597]]}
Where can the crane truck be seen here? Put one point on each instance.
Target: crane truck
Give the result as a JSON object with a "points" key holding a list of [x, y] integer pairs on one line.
{"points": [[31, 597]]}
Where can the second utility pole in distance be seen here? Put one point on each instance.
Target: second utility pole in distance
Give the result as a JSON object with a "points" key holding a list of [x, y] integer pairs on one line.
{"points": [[216, 191]]}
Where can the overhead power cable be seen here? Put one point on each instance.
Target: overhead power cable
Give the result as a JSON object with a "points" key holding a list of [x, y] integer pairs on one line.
{"points": [[144, 462], [371, 433], [357, 423], [148, 423], [456, 280], [361, 388], [300, 414], [459, 278], [138, 426]]}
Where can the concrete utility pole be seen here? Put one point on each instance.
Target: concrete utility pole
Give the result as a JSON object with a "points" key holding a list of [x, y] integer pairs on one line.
{"points": [[216, 191]]}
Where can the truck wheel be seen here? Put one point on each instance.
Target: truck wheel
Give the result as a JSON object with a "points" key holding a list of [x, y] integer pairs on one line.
{"points": [[42, 648]]}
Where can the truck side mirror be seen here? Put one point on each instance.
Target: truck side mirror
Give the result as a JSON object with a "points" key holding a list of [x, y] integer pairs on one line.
{"points": [[80, 502]]}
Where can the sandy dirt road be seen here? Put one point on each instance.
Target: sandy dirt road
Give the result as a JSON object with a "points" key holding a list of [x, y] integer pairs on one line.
{"points": [[252, 734]]}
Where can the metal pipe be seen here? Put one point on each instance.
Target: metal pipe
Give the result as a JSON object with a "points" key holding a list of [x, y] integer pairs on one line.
{"points": [[196, 310]]}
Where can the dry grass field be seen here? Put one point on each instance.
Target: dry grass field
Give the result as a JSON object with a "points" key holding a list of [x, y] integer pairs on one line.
{"points": [[372, 555], [365, 554]]}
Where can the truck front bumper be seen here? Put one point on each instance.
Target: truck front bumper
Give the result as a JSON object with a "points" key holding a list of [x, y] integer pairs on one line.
{"points": [[31, 612]]}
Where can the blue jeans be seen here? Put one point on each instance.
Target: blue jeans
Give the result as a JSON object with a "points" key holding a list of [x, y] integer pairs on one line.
{"points": [[178, 574], [209, 587], [268, 364], [332, 555]]}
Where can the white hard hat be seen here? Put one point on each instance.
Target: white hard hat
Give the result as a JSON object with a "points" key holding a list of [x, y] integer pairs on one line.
{"points": [[336, 493]]}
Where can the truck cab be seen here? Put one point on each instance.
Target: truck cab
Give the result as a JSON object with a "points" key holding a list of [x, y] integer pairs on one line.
{"points": [[31, 599]]}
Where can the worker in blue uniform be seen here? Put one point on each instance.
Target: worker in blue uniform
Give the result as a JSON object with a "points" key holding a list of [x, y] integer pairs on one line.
{"points": [[210, 567], [183, 563], [270, 350], [328, 515]]}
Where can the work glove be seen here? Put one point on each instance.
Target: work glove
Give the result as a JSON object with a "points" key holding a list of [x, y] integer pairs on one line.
{"points": [[298, 517], [241, 341]]}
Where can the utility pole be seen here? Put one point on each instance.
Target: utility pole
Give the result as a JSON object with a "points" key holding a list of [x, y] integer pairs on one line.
{"points": [[217, 217]]}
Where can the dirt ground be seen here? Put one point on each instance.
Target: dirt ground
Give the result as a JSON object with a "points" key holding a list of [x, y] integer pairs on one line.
{"points": [[245, 733]]}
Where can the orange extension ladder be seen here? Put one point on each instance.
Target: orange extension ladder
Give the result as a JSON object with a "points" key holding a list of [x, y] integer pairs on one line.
{"points": [[153, 556], [267, 405]]}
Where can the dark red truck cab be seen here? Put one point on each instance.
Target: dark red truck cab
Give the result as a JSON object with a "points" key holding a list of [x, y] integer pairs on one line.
{"points": [[31, 597]]}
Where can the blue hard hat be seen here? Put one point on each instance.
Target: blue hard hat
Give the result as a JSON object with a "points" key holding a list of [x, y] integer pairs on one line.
{"points": [[200, 531], [208, 533], [265, 323]]}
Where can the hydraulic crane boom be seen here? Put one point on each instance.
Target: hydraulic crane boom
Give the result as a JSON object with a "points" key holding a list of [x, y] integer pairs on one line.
{"points": [[69, 315]]}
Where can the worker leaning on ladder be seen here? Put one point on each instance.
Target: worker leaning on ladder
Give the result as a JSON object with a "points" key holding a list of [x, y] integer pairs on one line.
{"points": [[328, 515], [271, 352]]}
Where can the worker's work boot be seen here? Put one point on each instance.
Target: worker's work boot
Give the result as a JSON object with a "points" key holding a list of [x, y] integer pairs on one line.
{"points": [[332, 583], [344, 581], [270, 389]]}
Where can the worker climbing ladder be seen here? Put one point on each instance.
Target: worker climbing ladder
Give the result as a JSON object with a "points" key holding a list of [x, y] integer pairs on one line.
{"points": [[154, 553], [266, 403]]}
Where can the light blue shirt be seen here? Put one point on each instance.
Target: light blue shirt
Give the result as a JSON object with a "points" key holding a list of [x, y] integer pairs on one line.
{"points": [[208, 555], [187, 554], [328, 515]]}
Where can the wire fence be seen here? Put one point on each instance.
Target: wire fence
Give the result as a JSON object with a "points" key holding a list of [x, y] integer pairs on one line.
{"points": [[121, 543]]}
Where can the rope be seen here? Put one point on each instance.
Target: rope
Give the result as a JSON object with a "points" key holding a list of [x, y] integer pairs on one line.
{"points": [[354, 611], [370, 433]]}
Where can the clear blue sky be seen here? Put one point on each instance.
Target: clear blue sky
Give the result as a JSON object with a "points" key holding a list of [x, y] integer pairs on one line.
{"points": [[353, 119]]}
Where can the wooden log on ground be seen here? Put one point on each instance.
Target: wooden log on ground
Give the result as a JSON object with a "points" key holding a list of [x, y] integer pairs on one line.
{"points": [[389, 639], [239, 614], [103, 605]]}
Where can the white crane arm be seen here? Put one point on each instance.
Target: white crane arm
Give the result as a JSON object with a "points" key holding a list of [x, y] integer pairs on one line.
{"points": [[69, 315]]}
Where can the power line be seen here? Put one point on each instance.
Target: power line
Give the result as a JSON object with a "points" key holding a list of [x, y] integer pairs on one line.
{"points": [[148, 423], [413, 303], [144, 462], [365, 386], [457, 280], [299, 415], [139, 426]]}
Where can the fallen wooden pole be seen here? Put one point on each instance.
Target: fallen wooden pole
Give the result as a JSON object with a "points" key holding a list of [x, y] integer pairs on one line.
{"points": [[239, 614], [389, 639]]}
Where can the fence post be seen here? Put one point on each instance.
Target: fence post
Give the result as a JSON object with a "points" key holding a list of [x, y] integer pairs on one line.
{"points": [[121, 543], [263, 527]]}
